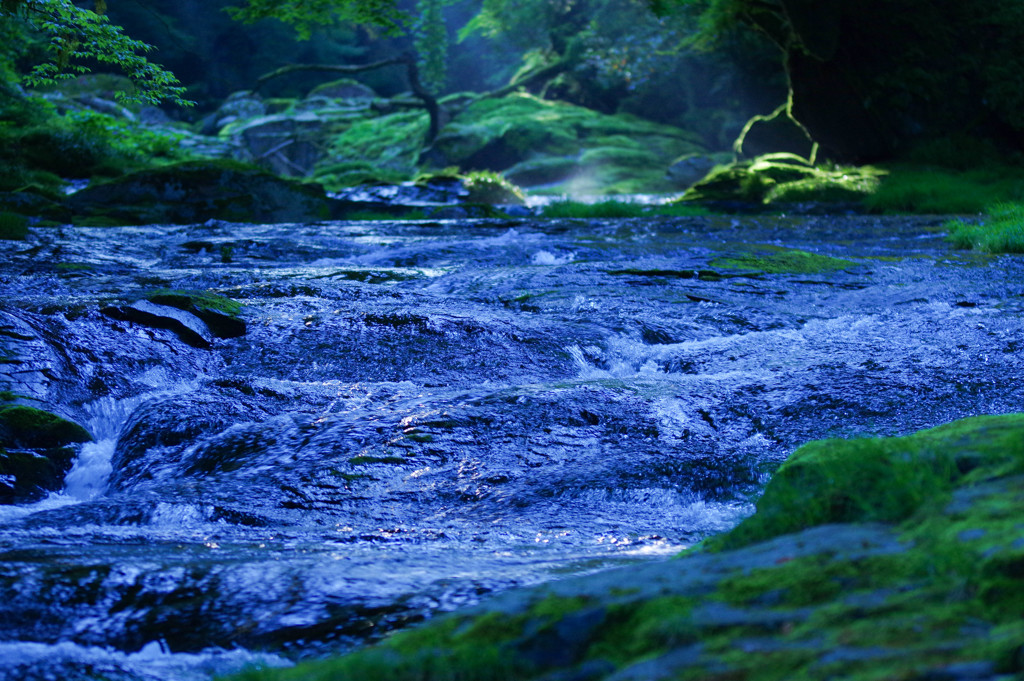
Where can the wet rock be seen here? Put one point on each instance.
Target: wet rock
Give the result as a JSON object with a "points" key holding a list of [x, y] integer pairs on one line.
{"points": [[189, 328], [35, 452], [220, 314], [153, 442]]}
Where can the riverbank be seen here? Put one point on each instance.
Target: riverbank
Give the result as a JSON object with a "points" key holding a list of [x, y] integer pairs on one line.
{"points": [[866, 559]]}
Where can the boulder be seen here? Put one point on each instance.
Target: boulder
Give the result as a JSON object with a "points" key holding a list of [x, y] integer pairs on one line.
{"points": [[36, 452], [187, 326], [343, 88], [288, 145], [198, 191]]}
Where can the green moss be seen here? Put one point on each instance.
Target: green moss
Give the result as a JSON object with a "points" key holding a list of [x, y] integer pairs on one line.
{"points": [[361, 460], [389, 145], [13, 227], [879, 479], [195, 301], [38, 429], [778, 260], [1000, 231], [785, 178], [491, 188]]}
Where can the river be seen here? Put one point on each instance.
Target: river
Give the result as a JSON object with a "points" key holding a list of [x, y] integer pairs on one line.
{"points": [[420, 414]]}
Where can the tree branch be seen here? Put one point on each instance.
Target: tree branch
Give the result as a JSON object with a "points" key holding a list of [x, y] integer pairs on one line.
{"points": [[412, 73]]}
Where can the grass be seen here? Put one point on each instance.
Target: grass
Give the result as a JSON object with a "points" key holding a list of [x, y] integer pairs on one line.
{"points": [[618, 209], [1001, 231], [921, 189]]}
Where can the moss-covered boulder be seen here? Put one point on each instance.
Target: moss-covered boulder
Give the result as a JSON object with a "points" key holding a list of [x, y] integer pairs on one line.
{"points": [[221, 314], [869, 560], [784, 178], [22, 426], [36, 451], [535, 141], [198, 191]]}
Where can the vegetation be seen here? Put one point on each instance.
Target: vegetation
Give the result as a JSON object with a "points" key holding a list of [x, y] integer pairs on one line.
{"points": [[74, 35], [1000, 231]]}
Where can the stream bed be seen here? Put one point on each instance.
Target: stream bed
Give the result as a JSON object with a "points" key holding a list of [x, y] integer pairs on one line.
{"points": [[417, 415]]}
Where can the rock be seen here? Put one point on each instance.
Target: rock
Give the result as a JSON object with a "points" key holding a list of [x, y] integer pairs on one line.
{"points": [[288, 145], [27, 476], [189, 328], [690, 169], [343, 88], [36, 452], [219, 313], [198, 191], [32, 428], [239, 106]]}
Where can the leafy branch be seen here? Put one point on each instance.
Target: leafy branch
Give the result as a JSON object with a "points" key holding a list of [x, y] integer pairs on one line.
{"points": [[75, 35]]}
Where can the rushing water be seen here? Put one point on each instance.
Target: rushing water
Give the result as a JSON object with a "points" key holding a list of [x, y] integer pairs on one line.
{"points": [[420, 414]]}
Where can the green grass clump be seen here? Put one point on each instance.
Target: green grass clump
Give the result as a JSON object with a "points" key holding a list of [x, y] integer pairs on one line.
{"points": [[1001, 231], [918, 189]]}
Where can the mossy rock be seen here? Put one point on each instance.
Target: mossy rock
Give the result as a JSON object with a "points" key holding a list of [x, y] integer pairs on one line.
{"points": [[197, 191], [27, 476], [880, 479], [779, 260], [540, 142], [784, 178], [386, 147], [905, 563], [22, 426], [219, 313], [13, 227]]}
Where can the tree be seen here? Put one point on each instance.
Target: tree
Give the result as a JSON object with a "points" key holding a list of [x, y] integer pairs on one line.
{"points": [[870, 77], [75, 36]]}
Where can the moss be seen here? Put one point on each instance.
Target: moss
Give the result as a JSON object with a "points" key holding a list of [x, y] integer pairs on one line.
{"points": [[38, 429], [13, 227], [778, 260], [785, 178], [880, 480], [389, 146], [491, 188], [195, 301], [361, 460]]}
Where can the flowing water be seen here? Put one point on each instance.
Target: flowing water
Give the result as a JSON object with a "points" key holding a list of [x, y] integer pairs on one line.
{"points": [[421, 414]]}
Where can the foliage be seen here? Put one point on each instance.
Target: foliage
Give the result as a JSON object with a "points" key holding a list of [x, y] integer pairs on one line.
{"points": [[75, 35], [924, 189], [307, 15], [1001, 231], [431, 42]]}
